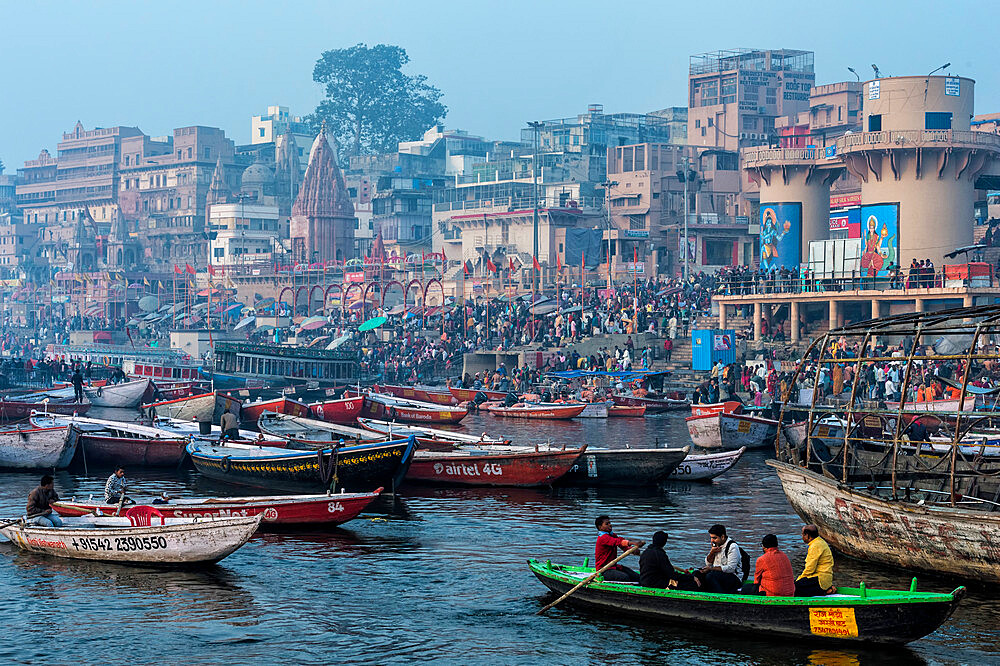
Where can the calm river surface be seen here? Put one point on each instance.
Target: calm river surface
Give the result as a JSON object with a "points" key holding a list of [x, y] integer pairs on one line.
{"points": [[436, 575]]}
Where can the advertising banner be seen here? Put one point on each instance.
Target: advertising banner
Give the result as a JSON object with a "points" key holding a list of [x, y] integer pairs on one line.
{"points": [[849, 219], [780, 236], [880, 238]]}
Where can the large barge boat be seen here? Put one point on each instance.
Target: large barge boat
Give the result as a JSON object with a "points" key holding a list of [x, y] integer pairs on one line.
{"points": [[236, 363]]}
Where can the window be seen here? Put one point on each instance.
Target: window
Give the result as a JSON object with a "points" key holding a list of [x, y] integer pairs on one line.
{"points": [[711, 121], [840, 113], [127, 160], [637, 222], [220, 252], [718, 252], [875, 122], [260, 132], [934, 120], [189, 153], [750, 123], [208, 153]]}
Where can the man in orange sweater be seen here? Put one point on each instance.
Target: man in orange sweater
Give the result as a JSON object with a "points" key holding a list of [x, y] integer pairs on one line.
{"points": [[773, 575]]}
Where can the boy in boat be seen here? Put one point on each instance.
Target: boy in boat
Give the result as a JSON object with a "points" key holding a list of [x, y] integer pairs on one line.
{"points": [[39, 504], [773, 576], [816, 579], [606, 549], [114, 489], [723, 570]]}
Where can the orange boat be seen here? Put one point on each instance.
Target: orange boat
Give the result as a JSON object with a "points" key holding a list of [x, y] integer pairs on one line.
{"points": [[466, 394], [422, 393], [704, 409], [626, 410], [383, 407], [543, 410]]}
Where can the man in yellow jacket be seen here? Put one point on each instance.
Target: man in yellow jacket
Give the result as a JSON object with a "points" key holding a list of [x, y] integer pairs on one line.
{"points": [[816, 579]]}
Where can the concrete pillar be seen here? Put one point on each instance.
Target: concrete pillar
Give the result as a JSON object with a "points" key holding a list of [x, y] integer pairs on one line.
{"points": [[968, 301], [834, 313], [757, 316], [723, 319], [876, 309], [794, 316], [918, 305]]}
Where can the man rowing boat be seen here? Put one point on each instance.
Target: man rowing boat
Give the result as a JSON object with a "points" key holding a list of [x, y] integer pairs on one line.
{"points": [[606, 549], [114, 489], [40, 504]]}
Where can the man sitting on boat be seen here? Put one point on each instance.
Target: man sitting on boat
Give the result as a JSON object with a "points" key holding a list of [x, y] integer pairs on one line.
{"points": [[816, 579], [773, 575], [656, 570], [606, 550], [723, 570], [39, 504], [114, 489]]}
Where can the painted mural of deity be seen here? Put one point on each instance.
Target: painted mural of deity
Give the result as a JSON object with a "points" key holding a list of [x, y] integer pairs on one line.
{"points": [[879, 247], [770, 237]]}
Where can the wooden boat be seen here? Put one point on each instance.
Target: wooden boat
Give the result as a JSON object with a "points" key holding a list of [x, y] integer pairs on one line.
{"points": [[112, 442], [468, 394], [652, 405], [618, 411], [427, 435], [122, 540], [345, 410], [434, 396], [943, 540], [277, 510], [858, 615], [315, 433], [125, 395], [522, 410], [251, 411], [19, 410], [945, 405], [493, 466], [355, 468], [29, 447], [729, 407], [706, 466], [390, 408], [729, 431], [204, 408], [592, 410], [624, 467], [174, 390]]}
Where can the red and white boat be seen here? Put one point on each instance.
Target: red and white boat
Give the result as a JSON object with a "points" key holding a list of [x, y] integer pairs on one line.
{"points": [[19, 410], [626, 410], [204, 408], [466, 394], [390, 408], [278, 510], [433, 439], [652, 405], [421, 393], [542, 410], [728, 407], [944, 405], [345, 410], [728, 431], [492, 466], [252, 410], [115, 443]]}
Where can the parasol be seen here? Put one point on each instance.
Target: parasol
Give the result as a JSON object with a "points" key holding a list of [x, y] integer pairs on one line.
{"points": [[148, 303], [372, 323], [244, 323], [312, 323]]}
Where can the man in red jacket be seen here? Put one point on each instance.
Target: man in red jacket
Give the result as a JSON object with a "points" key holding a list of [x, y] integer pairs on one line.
{"points": [[773, 575], [606, 550]]}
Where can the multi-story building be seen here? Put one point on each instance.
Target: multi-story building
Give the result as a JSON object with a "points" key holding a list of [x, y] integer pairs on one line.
{"points": [[268, 128], [834, 109], [734, 95], [8, 195], [20, 255], [244, 234]]}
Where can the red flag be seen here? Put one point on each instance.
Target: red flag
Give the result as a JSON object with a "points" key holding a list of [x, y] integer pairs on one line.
{"points": [[211, 270], [635, 255], [511, 259], [189, 269], [535, 264], [490, 265], [465, 267], [177, 269], [558, 263]]}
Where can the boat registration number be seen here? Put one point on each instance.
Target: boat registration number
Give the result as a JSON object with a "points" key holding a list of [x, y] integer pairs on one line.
{"points": [[120, 544], [834, 622], [743, 427]]}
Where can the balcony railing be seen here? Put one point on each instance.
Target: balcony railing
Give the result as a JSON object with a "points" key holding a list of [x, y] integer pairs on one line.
{"points": [[520, 203], [920, 138]]}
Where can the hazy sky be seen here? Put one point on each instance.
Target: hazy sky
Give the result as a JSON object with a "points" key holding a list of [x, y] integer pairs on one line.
{"points": [[169, 64]]}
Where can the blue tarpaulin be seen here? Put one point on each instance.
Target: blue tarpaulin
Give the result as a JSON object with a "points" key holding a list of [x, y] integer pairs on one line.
{"points": [[627, 376], [585, 244]]}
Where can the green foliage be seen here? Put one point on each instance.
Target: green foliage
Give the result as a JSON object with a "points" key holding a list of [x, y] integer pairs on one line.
{"points": [[370, 104]]}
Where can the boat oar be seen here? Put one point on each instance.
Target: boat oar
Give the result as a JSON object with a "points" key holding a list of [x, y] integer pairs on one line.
{"points": [[591, 577]]}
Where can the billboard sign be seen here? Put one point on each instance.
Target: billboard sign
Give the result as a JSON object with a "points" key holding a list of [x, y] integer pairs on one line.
{"points": [[952, 87], [880, 238], [780, 236], [874, 89], [722, 342], [848, 219]]}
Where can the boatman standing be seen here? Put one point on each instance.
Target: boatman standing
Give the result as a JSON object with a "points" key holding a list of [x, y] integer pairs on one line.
{"points": [[816, 579], [606, 550]]}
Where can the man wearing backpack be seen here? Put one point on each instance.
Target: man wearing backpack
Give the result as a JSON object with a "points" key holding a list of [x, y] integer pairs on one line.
{"points": [[726, 564]]}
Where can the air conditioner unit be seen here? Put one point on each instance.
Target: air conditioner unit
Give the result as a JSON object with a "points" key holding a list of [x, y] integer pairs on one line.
{"points": [[743, 135]]}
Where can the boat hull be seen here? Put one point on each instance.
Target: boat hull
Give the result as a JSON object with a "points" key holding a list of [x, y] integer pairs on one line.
{"points": [[36, 448], [703, 409], [277, 511], [205, 408], [728, 432], [194, 543], [373, 409], [416, 393], [357, 469], [517, 469], [840, 619], [126, 395], [129, 451], [619, 411], [344, 411], [12, 410], [707, 466], [550, 412], [652, 405], [251, 411], [594, 410], [623, 467], [467, 394], [942, 541]]}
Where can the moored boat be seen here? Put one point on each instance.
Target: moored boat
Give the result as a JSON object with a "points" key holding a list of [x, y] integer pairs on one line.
{"points": [[355, 468], [729, 431], [344, 410], [30, 447], [852, 615], [422, 393], [703, 409], [593, 410], [111, 442], [652, 405], [300, 430], [204, 408], [706, 466], [623, 467], [467, 394], [125, 395], [523, 410], [251, 411], [626, 411], [126, 540], [424, 433], [277, 510], [944, 405], [19, 410], [390, 408], [493, 466]]}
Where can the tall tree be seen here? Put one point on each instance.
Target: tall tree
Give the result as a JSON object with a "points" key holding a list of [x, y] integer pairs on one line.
{"points": [[370, 104]]}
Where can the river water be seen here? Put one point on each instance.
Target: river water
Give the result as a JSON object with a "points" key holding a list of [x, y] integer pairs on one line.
{"points": [[437, 574]]}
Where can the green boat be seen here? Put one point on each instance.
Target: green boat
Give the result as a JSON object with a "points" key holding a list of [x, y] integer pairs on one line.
{"points": [[853, 614]]}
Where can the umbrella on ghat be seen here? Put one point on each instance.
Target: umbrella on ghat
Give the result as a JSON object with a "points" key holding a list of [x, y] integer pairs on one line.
{"points": [[372, 323], [313, 323]]}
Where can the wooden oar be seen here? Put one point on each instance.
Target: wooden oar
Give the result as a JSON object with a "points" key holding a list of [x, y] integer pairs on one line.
{"points": [[585, 581]]}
